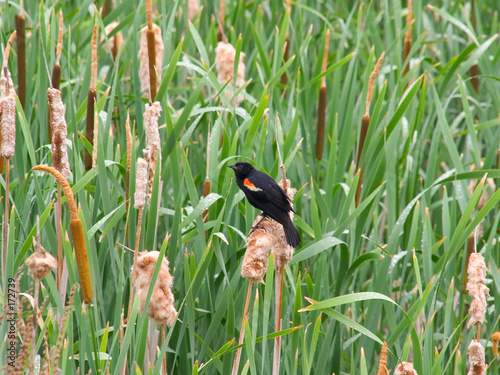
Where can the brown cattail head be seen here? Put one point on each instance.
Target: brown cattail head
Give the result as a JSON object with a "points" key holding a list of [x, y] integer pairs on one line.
{"points": [[116, 41], [476, 358], [405, 368], [141, 183], [193, 6], [59, 132], [495, 337], [151, 152], [477, 289], [82, 261], [144, 58], [161, 305], [382, 363], [41, 262], [225, 55]]}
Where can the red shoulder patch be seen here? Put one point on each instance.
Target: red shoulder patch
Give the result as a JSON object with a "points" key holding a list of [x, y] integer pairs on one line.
{"points": [[250, 186]]}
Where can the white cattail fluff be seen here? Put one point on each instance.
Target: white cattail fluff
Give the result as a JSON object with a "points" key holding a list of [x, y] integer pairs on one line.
{"points": [[59, 132], [7, 115], [161, 305], [116, 41], [477, 361], [224, 60], [477, 289], [143, 57], [152, 150], [141, 183]]}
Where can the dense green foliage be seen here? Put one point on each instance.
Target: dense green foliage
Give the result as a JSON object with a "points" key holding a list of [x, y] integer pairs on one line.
{"points": [[407, 239]]}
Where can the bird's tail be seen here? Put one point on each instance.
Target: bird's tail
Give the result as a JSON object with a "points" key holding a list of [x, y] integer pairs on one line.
{"points": [[291, 234]]}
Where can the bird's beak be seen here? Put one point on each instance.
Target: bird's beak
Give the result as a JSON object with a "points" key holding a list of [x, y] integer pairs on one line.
{"points": [[232, 166]]}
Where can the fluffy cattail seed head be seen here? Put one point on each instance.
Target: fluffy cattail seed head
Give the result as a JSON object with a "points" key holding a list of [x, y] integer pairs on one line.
{"points": [[225, 55], [141, 183], [7, 115], [282, 251], [143, 57], [260, 242], [476, 289], [41, 263], [116, 41], [405, 368], [161, 305], [476, 358], [151, 115], [59, 132]]}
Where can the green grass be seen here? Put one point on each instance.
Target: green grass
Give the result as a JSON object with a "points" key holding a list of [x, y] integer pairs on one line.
{"points": [[390, 269]]}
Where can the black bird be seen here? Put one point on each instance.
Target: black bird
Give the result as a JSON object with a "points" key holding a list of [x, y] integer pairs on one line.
{"points": [[265, 194]]}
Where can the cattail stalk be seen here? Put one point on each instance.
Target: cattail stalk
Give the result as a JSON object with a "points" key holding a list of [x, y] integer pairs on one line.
{"points": [[128, 134], [21, 57], [76, 227], [320, 129], [7, 139], [407, 40], [220, 18], [91, 100], [237, 357], [365, 124], [151, 38]]}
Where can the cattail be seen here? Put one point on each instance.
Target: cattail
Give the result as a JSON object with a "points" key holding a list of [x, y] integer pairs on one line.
{"points": [[476, 358], [161, 305], [141, 183], [116, 41], [145, 60], [91, 99], [320, 133], [365, 124], [151, 115], [407, 40], [193, 6], [476, 289], [220, 18], [259, 244], [128, 134], [41, 262], [225, 55], [7, 107], [382, 363], [21, 57], [7, 115], [495, 337], [56, 69], [405, 368], [59, 132], [76, 227], [95, 137]]}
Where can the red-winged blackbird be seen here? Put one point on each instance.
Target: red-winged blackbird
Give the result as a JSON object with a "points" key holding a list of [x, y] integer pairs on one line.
{"points": [[265, 194]]}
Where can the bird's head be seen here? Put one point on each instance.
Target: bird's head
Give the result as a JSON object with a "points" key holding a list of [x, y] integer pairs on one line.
{"points": [[242, 169]]}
